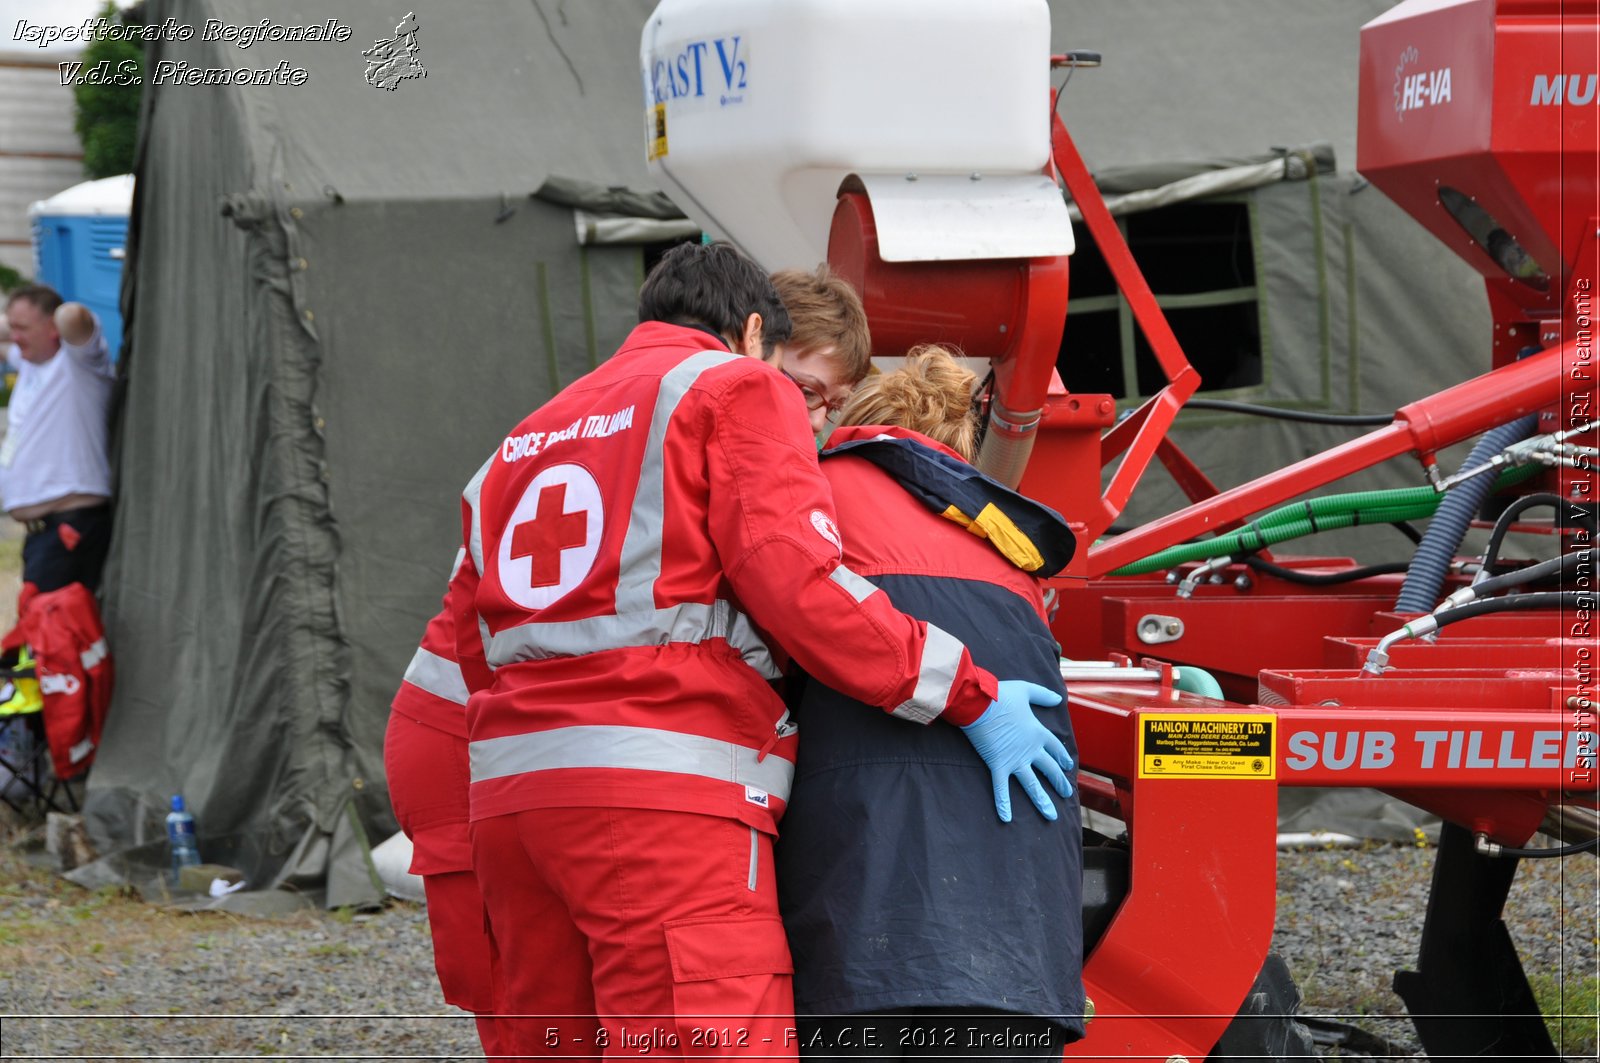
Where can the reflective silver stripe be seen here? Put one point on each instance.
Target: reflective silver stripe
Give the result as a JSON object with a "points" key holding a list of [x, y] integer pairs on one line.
{"points": [[754, 852], [437, 676], [483, 638], [642, 748], [941, 657], [471, 497], [94, 654], [860, 588], [742, 636], [461, 555], [475, 536], [640, 561], [690, 622]]}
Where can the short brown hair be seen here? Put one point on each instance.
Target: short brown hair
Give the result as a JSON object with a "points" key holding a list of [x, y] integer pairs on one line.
{"points": [[931, 394], [825, 311], [43, 298]]}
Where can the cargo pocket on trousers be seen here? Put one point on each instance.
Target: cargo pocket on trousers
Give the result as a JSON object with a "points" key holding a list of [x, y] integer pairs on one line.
{"points": [[732, 986]]}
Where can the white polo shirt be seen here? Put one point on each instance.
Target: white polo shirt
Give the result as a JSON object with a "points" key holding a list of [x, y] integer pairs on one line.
{"points": [[56, 427]]}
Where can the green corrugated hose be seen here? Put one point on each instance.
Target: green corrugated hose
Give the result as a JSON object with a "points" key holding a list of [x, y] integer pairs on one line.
{"points": [[1311, 516]]}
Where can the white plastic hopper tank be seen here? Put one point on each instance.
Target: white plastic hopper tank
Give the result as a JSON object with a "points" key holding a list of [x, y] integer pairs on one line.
{"points": [[757, 110]]}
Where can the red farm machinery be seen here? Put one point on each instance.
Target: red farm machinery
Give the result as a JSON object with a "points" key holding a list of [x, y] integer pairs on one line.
{"points": [[1463, 685]]}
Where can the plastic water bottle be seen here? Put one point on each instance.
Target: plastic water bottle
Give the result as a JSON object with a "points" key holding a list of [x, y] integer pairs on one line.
{"points": [[180, 834]]}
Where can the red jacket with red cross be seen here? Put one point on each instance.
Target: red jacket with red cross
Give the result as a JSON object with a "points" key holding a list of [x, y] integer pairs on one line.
{"points": [[630, 547]]}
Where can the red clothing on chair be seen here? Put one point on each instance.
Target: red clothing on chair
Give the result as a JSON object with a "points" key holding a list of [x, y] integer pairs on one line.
{"points": [[74, 670]]}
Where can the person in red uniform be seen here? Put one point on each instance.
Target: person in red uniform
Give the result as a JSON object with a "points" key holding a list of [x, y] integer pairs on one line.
{"points": [[630, 547], [425, 745], [425, 760]]}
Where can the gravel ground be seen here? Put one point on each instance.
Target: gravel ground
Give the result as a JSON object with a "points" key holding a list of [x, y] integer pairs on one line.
{"points": [[1348, 918], [123, 978]]}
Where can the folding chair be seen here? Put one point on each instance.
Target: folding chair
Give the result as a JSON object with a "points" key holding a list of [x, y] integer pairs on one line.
{"points": [[28, 782]]}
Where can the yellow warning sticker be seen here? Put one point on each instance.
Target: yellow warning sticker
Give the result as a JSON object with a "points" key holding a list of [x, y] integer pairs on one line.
{"points": [[658, 132], [1207, 746]]}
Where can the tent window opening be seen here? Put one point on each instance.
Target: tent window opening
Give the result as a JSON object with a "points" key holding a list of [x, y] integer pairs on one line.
{"points": [[655, 249], [1199, 259]]}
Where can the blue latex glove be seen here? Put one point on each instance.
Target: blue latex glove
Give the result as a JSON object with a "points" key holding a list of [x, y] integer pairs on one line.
{"points": [[1012, 742]]}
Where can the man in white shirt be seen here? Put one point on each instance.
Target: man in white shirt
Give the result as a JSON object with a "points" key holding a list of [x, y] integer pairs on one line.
{"points": [[55, 468]]}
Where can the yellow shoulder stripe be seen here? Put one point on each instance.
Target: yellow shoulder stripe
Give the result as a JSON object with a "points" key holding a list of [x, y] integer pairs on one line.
{"points": [[995, 526]]}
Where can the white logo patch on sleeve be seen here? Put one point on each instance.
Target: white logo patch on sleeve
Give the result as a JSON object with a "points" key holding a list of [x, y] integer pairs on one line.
{"points": [[553, 537], [757, 797], [827, 529]]}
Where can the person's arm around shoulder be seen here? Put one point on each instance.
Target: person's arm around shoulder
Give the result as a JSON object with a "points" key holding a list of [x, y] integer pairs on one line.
{"points": [[771, 519], [772, 522], [81, 337]]}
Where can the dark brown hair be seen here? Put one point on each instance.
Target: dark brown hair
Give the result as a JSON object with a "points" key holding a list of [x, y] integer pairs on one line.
{"points": [[46, 299], [713, 285]]}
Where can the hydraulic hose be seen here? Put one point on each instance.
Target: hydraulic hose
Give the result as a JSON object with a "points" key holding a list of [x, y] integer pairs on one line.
{"points": [[1556, 566], [1520, 506], [1515, 603], [1325, 579], [1361, 420], [1488, 848], [1409, 531], [1378, 656], [1430, 564]]}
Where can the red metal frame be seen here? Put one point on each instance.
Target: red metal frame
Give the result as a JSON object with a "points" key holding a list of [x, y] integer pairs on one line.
{"points": [[1468, 409], [1489, 726], [1183, 950], [1070, 451]]}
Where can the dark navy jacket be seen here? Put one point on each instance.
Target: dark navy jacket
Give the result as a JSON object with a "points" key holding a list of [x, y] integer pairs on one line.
{"points": [[900, 887]]}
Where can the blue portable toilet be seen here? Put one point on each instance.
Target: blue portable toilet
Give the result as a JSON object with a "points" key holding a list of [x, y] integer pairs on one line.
{"points": [[78, 247]]}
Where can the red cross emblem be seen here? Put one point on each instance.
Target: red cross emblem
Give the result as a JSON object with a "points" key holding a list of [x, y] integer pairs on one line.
{"points": [[551, 531]]}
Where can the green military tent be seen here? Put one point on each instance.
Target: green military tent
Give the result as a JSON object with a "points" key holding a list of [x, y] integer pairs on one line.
{"points": [[340, 296]]}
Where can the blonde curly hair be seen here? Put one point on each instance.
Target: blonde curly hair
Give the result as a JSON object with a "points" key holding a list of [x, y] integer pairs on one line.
{"points": [[931, 393]]}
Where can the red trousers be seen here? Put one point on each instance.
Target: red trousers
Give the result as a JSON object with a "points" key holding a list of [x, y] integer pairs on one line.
{"points": [[427, 770], [461, 951], [623, 931]]}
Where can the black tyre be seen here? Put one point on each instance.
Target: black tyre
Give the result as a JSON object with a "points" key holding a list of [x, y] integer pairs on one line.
{"points": [[1266, 1027]]}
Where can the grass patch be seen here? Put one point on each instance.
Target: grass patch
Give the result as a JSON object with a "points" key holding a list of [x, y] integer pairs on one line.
{"points": [[85, 939], [1570, 1010], [333, 948]]}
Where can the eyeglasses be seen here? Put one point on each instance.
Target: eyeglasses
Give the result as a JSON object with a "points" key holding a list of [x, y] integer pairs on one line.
{"points": [[814, 399]]}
